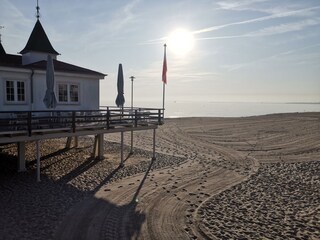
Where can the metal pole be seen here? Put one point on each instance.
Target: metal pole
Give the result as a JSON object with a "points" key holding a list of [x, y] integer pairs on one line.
{"points": [[164, 76], [154, 145], [164, 94], [132, 77], [38, 160]]}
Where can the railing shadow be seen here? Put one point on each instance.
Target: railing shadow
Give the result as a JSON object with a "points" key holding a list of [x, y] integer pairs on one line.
{"points": [[66, 211], [137, 220], [48, 156], [56, 154], [134, 199], [85, 166], [88, 217], [99, 218]]}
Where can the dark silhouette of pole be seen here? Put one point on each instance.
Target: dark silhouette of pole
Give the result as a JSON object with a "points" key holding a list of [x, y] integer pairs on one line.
{"points": [[132, 77], [38, 10], [164, 77]]}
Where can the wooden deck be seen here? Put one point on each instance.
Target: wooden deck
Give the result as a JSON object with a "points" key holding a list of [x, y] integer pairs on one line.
{"points": [[20, 126]]}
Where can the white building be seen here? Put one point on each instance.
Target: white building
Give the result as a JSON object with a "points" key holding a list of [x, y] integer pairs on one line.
{"points": [[23, 78]]}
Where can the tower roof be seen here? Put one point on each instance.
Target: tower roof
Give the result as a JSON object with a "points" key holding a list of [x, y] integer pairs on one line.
{"points": [[38, 41]]}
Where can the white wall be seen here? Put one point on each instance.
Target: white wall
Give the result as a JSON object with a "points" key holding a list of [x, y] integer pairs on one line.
{"points": [[18, 74], [89, 90], [31, 57]]}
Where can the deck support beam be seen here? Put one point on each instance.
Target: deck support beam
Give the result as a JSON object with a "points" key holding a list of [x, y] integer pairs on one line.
{"points": [[69, 142], [76, 141], [98, 149], [100, 146], [21, 156]]}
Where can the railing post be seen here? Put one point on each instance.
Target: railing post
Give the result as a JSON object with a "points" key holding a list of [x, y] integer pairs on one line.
{"points": [[73, 121], [135, 118], [108, 118], [159, 117], [29, 121]]}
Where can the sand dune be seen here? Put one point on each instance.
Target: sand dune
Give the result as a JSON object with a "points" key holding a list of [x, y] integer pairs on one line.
{"points": [[214, 178]]}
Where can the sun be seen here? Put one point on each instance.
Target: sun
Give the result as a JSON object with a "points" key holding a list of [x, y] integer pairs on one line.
{"points": [[180, 42]]}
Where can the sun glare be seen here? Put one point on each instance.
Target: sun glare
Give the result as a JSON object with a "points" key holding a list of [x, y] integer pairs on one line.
{"points": [[180, 42]]}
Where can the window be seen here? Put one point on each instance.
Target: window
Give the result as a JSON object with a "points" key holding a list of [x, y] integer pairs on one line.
{"points": [[63, 93], [15, 91], [74, 93], [20, 91], [68, 93]]}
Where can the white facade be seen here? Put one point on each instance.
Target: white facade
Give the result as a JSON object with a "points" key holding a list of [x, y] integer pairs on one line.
{"points": [[35, 87]]}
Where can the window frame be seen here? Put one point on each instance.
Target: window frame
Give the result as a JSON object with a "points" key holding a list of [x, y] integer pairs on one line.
{"points": [[16, 93], [68, 91]]}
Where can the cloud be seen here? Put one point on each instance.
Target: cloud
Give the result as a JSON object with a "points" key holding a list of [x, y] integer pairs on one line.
{"points": [[233, 5], [123, 16], [271, 7], [273, 30], [275, 57], [260, 19], [8, 9], [284, 28], [277, 12]]}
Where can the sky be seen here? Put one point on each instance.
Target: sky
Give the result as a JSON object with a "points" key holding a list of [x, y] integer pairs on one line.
{"points": [[228, 51]]}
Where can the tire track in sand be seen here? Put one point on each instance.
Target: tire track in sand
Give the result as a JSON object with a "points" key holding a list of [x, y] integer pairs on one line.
{"points": [[168, 200]]}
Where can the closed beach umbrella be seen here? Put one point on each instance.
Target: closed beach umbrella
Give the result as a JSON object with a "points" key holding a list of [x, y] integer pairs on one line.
{"points": [[50, 98], [120, 84]]}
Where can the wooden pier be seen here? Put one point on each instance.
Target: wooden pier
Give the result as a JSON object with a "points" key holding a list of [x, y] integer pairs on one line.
{"points": [[22, 126]]}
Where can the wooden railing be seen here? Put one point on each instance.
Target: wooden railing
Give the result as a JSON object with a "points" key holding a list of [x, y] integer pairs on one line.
{"points": [[32, 122]]}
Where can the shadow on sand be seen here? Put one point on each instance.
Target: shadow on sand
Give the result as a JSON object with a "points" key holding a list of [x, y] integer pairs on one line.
{"points": [[96, 218], [57, 210]]}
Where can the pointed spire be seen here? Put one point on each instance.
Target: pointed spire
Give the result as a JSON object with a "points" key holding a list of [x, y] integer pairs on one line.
{"points": [[38, 41], [38, 10]]}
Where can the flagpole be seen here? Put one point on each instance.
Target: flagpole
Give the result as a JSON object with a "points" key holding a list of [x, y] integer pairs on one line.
{"points": [[164, 77], [163, 95]]}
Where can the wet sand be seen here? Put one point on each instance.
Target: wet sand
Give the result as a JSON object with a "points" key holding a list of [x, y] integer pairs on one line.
{"points": [[214, 178]]}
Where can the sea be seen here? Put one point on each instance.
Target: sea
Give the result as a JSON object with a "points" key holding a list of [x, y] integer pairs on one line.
{"points": [[234, 109]]}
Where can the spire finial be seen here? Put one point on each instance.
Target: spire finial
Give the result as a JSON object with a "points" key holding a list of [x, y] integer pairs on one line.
{"points": [[0, 32], [38, 10]]}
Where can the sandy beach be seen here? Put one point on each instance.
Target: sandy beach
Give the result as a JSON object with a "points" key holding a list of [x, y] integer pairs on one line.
{"points": [[213, 178]]}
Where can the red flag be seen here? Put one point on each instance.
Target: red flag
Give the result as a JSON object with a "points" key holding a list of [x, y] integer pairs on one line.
{"points": [[164, 69]]}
